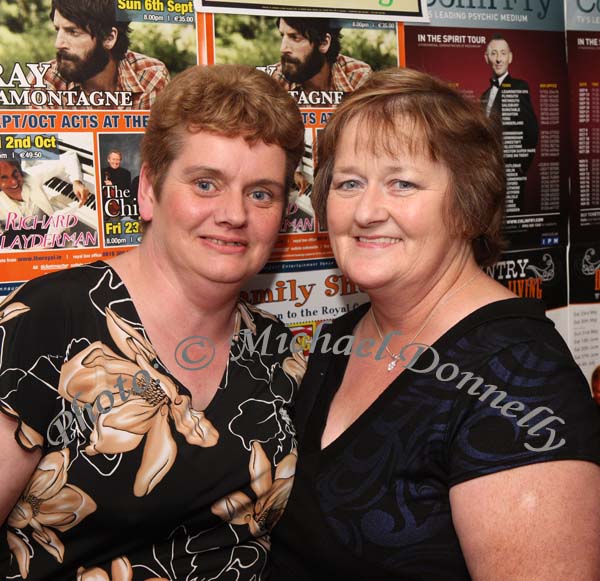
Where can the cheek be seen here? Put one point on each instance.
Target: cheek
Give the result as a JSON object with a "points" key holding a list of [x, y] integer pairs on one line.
{"points": [[267, 225], [340, 212]]}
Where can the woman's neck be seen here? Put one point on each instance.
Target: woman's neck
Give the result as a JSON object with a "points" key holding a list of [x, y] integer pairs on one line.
{"points": [[410, 309], [167, 299]]}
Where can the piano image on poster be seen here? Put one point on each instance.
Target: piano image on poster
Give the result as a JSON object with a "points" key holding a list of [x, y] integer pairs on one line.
{"points": [[42, 211]]}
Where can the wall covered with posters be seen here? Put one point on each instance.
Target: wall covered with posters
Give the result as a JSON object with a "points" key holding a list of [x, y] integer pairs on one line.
{"points": [[62, 142]]}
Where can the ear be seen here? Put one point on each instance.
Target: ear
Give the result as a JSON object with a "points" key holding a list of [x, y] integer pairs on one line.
{"points": [[111, 39], [485, 56], [509, 57], [146, 196], [325, 44]]}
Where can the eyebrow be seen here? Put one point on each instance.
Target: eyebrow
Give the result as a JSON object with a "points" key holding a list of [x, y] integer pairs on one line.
{"points": [[391, 168], [208, 171]]}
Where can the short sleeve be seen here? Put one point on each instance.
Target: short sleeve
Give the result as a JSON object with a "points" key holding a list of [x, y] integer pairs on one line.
{"points": [[530, 403], [32, 350]]}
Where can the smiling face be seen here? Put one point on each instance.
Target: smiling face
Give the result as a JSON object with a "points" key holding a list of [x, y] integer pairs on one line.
{"points": [[114, 160], [220, 207], [79, 57], [498, 56], [11, 181], [386, 213]]}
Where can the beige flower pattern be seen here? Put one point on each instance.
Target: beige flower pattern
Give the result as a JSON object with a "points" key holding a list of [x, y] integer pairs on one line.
{"points": [[145, 406], [271, 494], [151, 406], [48, 502], [27, 436], [120, 570]]}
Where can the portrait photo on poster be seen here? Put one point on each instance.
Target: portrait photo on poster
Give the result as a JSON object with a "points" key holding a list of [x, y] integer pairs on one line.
{"points": [[317, 59], [75, 54], [119, 177], [47, 192]]}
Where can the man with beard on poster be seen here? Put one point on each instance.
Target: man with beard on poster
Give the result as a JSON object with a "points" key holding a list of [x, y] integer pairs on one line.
{"points": [[508, 100], [93, 59], [311, 59]]}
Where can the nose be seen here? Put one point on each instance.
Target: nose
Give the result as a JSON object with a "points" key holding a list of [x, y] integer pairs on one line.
{"points": [[370, 208], [285, 46], [60, 42], [231, 211]]}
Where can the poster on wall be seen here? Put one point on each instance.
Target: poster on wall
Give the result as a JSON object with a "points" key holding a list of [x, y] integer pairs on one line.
{"points": [[402, 10], [48, 200], [119, 178], [317, 75], [44, 69], [583, 45], [584, 324], [317, 81], [511, 58], [71, 122], [64, 196], [539, 273], [304, 295]]}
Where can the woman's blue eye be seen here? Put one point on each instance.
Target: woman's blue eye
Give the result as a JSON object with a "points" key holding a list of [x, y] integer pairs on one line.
{"points": [[403, 185]]}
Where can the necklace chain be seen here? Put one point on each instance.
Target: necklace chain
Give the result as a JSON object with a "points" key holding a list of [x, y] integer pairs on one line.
{"points": [[392, 364]]}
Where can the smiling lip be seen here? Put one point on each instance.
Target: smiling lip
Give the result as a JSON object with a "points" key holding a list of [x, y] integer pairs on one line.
{"points": [[377, 241], [226, 245]]}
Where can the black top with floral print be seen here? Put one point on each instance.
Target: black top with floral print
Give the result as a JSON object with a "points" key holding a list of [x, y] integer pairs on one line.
{"points": [[134, 483]]}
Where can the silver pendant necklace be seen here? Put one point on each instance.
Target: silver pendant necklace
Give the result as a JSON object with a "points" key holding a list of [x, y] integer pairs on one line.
{"points": [[392, 364]]}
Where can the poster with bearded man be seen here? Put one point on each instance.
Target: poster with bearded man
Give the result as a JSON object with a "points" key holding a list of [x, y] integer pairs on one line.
{"points": [[317, 59], [92, 54]]}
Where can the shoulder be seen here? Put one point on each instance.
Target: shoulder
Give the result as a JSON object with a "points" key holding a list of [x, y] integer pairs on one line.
{"points": [[259, 327], [49, 66], [256, 315], [512, 83], [52, 77], [141, 62], [517, 390], [509, 326], [275, 72], [352, 65], [53, 290]]}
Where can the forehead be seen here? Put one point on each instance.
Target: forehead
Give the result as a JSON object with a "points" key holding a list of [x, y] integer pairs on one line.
{"points": [[382, 136], [114, 154], [226, 152], [7, 169], [60, 21], [498, 45], [285, 28]]}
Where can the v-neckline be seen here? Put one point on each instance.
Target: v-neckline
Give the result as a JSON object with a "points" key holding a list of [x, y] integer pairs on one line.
{"points": [[158, 361], [337, 365]]}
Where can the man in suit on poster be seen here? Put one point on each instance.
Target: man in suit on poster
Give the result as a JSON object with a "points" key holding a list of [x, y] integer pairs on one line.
{"points": [[115, 175], [509, 100], [116, 183]]}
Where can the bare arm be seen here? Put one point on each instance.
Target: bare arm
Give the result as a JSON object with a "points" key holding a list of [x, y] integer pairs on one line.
{"points": [[16, 466], [537, 522]]}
